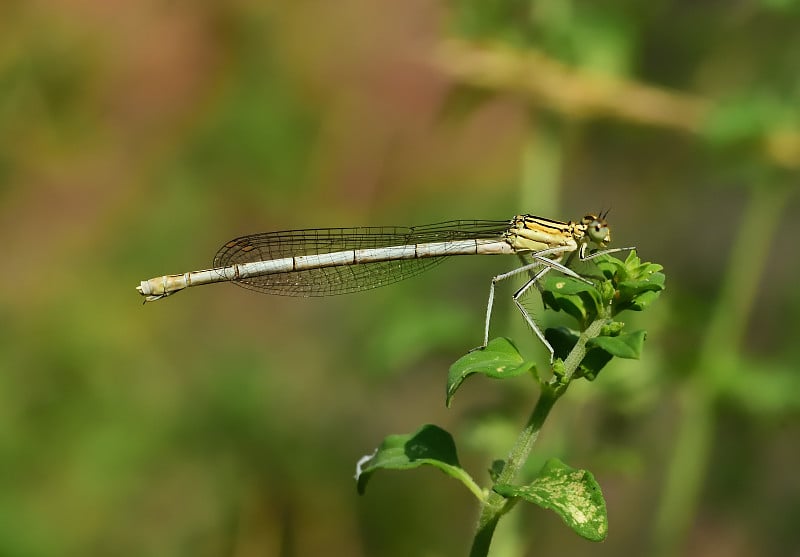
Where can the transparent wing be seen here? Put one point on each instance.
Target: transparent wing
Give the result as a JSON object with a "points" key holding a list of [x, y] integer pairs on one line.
{"points": [[343, 279]]}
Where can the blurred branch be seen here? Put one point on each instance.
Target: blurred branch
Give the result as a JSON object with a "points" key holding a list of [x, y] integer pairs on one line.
{"points": [[573, 92], [690, 456], [579, 93], [783, 148]]}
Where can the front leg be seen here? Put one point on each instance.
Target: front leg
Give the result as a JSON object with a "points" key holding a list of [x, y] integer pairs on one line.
{"points": [[539, 261], [527, 316]]}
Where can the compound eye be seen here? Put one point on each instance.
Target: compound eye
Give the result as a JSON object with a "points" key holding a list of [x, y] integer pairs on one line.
{"points": [[599, 231]]}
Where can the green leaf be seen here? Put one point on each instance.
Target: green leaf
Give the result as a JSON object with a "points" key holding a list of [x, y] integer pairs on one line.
{"points": [[610, 266], [499, 360], [622, 346], [631, 268], [629, 289], [612, 329], [573, 494], [563, 340], [641, 301], [496, 469], [637, 284], [574, 297], [627, 285], [430, 445]]}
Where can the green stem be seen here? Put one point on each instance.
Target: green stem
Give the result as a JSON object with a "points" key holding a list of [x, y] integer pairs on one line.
{"points": [[495, 505], [540, 179], [695, 432], [542, 163]]}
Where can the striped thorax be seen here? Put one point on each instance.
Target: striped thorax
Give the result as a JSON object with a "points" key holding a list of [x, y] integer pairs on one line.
{"points": [[531, 233]]}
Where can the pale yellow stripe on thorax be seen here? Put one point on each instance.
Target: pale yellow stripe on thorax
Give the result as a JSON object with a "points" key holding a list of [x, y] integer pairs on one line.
{"points": [[529, 233]]}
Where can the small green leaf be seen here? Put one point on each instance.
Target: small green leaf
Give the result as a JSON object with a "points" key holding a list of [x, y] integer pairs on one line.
{"points": [[633, 260], [573, 494], [566, 285], [643, 300], [499, 360], [629, 289], [430, 445], [632, 271], [571, 305], [594, 361], [622, 346], [610, 266], [626, 285], [558, 366], [612, 329], [563, 340], [647, 269], [638, 284], [574, 297], [496, 469], [637, 295]]}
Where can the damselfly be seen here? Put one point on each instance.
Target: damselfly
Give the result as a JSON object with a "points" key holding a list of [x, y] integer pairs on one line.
{"points": [[328, 261]]}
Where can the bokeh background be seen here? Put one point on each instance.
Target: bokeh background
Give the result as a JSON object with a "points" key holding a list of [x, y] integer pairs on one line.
{"points": [[137, 137]]}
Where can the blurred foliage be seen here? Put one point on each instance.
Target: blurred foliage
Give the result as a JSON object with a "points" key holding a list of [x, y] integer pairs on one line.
{"points": [[135, 138]]}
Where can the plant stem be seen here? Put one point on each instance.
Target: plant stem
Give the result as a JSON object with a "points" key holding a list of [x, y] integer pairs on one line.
{"points": [[542, 162], [689, 462], [540, 177], [495, 505]]}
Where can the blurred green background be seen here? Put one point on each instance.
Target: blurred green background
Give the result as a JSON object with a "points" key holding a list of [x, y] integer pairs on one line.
{"points": [[137, 137]]}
